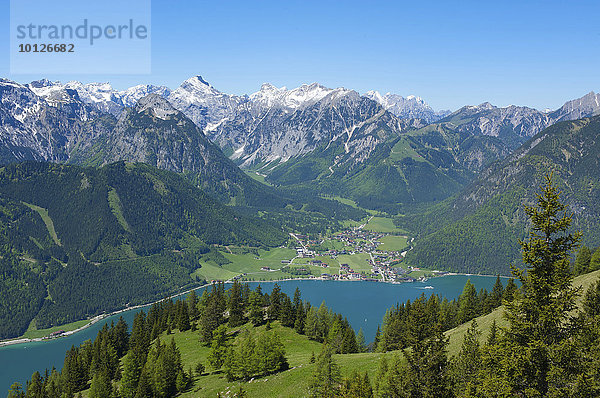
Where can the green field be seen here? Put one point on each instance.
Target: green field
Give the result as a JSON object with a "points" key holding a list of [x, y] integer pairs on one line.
{"points": [[258, 177], [421, 272], [352, 203], [33, 333], [383, 224], [403, 149], [358, 262], [332, 244], [393, 243], [249, 263]]}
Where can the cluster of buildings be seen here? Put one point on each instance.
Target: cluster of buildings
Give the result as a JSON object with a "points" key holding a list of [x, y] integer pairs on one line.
{"points": [[360, 240], [348, 273], [304, 252], [385, 264]]}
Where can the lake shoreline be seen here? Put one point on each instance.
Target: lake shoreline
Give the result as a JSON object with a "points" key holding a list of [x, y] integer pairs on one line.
{"points": [[98, 318]]}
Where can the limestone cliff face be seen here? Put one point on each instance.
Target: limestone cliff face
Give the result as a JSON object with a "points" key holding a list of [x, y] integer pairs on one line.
{"points": [[50, 129]]}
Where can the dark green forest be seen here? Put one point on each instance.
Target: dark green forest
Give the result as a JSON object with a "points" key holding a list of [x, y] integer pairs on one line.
{"points": [[120, 235]]}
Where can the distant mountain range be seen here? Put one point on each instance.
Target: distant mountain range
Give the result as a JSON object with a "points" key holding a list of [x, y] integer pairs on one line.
{"points": [[380, 150]]}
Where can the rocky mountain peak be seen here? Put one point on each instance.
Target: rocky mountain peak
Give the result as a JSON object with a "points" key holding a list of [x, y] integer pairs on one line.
{"points": [[197, 84], [586, 106], [157, 105], [411, 107], [42, 83], [485, 106]]}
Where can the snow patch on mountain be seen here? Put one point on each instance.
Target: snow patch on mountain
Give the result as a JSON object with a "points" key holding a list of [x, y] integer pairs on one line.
{"points": [[411, 107], [270, 96]]}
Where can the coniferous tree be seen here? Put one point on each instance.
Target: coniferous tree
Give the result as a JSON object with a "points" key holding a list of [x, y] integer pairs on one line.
{"points": [[236, 305], [326, 377], [184, 318], [35, 387], [311, 329], [248, 357], [73, 375], [582, 261], [16, 391], [144, 387], [297, 301], [323, 322], [382, 369], [256, 308], [540, 319], [275, 303], [192, 302], [467, 364], [377, 340], [427, 368], [360, 340], [577, 373], [287, 316], [335, 337], [132, 370], [495, 297], [467, 303], [393, 379], [356, 386], [595, 261], [211, 317], [511, 291], [101, 386], [300, 314], [218, 348]]}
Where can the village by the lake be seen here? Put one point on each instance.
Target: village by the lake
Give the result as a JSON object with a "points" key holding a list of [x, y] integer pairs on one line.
{"points": [[353, 254]]}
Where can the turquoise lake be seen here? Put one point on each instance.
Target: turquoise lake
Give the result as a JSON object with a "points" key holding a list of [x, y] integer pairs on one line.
{"points": [[363, 303]]}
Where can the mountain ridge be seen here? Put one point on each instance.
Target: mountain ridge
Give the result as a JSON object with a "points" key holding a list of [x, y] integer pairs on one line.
{"points": [[478, 229]]}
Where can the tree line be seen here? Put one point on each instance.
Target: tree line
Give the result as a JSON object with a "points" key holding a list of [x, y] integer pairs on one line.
{"points": [[417, 320], [138, 364]]}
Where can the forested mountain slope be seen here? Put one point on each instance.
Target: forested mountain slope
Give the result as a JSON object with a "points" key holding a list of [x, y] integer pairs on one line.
{"points": [[478, 231], [79, 241]]}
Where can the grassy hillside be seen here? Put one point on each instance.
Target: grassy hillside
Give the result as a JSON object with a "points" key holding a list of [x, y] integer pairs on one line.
{"points": [[294, 382], [484, 322], [290, 383]]}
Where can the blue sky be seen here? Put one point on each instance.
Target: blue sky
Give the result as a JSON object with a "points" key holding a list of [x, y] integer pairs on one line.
{"points": [[534, 53]]}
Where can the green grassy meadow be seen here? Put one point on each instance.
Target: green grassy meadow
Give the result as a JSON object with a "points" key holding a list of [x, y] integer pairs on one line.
{"points": [[358, 262], [47, 220], [391, 243], [383, 224], [34, 333], [290, 383]]}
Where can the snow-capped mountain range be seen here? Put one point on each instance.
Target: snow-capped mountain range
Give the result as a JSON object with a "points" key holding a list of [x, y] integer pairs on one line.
{"points": [[271, 125], [411, 107], [207, 106]]}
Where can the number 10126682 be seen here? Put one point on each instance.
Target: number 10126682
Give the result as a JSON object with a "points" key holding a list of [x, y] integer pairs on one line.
{"points": [[46, 48]]}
